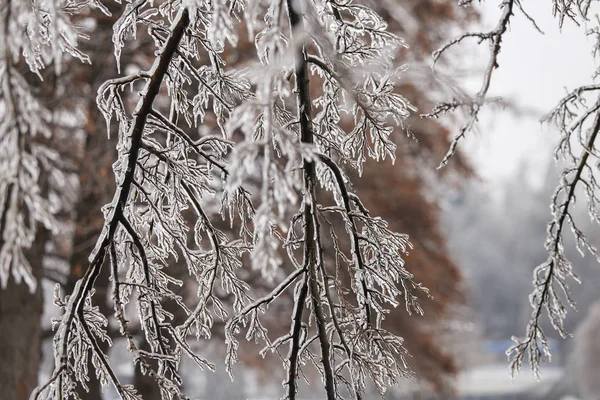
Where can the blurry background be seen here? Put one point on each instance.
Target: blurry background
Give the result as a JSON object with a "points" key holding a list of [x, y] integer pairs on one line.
{"points": [[478, 225]]}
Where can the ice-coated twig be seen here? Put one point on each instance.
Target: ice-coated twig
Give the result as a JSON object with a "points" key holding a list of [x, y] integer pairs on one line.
{"points": [[550, 279], [143, 108], [494, 37]]}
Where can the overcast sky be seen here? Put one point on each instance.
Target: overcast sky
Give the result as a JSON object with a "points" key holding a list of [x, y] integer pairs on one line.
{"points": [[535, 72]]}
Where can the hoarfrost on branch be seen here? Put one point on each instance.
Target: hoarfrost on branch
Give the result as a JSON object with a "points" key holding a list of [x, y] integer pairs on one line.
{"points": [[262, 145]]}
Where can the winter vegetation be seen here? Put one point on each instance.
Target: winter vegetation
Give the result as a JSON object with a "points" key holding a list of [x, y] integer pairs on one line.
{"points": [[251, 144]]}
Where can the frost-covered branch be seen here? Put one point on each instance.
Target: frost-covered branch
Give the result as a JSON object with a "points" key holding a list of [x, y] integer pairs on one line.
{"points": [[551, 289], [473, 105], [116, 216], [289, 144]]}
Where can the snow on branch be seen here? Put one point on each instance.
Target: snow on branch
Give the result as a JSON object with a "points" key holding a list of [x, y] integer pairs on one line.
{"points": [[551, 279], [205, 134], [473, 105]]}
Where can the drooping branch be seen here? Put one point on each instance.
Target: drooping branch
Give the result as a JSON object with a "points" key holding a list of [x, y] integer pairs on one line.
{"points": [[304, 106], [317, 305], [164, 171], [494, 37], [353, 229], [295, 332], [119, 203], [553, 273]]}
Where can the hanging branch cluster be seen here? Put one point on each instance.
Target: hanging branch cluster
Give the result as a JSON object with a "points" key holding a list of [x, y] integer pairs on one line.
{"points": [[35, 183], [288, 142], [262, 145]]}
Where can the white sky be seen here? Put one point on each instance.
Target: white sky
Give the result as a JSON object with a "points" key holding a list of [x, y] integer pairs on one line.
{"points": [[535, 72]]}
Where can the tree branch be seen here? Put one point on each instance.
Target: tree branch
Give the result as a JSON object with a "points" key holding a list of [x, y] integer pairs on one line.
{"points": [[143, 108]]}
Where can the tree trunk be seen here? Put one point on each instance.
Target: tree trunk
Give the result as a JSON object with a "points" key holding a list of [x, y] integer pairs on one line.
{"points": [[21, 330], [95, 179]]}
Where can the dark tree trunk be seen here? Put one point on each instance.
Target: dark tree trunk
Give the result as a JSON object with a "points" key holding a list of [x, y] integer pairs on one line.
{"points": [[96, 183], [21, 331], [146, 385], [96, 179]]}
